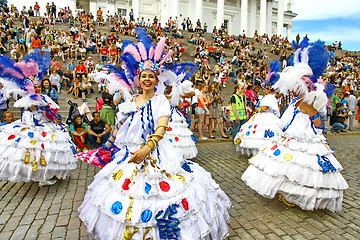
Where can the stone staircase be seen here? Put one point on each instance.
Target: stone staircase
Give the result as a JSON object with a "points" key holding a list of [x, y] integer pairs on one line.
{"points": [[188, 56]]}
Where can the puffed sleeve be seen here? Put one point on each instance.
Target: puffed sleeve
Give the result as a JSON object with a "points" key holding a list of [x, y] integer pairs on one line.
{"points": [[162, 107]]}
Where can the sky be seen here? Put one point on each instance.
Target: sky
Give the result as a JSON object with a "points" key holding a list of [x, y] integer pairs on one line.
{"points": [[328, 20]]}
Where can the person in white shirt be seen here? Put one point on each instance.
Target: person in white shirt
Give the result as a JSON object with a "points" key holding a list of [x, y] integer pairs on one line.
{"points": [[352, 105]]}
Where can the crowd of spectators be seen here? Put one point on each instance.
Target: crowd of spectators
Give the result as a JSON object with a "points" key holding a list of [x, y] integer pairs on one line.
{"points": [[80, 36]]}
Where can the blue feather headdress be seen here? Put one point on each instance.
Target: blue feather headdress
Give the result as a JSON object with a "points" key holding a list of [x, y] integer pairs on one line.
{"points": [[310, 61], [19, 78], [274, 74], [176, 76], [140, 56], [314, 55]]}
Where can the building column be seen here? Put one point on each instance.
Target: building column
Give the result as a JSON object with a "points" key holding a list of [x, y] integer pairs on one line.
{"points": [[93, 7], [263, 9], [288, 31], [72, 6], [230, 26], [252, 18], [164, 12], [269, 18], [198, 11], [136, 7], [220, 13], [244, 16], [175, 8], [280, 18]]}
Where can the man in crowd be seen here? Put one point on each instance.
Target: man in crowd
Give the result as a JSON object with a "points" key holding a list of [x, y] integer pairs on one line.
{"points": [[67, 81], [98, 131], [81, 70], [36, 42], [237, 109], [72, 66], [337, 120], [37, 9], [104, 54], [131, 15], [53, 9]]}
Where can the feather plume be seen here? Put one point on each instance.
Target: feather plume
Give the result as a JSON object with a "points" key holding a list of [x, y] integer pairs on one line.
{"points": [[317, 98], [133, 51], [142, 51], [23, 67], [151, 52], [329, 89], [144, 38], [290, 78], [11, 87], [188, 68], [273, 76], [159, 49], [168, 55], [295, 45], [33, 68], [113, 83], [12, 72], [318, 58]]}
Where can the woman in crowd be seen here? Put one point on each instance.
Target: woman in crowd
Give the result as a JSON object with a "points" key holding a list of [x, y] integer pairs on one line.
{"points": [[47, 89], [77, 89], [202, 111], [148, 190], [215, 112], [79, 133], [107, 112]]}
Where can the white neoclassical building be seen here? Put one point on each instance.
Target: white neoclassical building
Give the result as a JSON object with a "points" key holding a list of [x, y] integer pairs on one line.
{"points": [[265, 16]]}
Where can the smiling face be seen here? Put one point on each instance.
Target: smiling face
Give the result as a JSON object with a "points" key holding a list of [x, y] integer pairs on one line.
{"points": [[148, 80], [46, 84], [78, 120]]}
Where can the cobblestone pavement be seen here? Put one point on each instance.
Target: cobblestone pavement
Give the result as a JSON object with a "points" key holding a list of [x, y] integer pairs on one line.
{"points": [[30, 212]]}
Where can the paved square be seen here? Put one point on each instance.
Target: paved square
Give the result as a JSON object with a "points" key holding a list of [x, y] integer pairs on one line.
{"points": [[30, 212]]}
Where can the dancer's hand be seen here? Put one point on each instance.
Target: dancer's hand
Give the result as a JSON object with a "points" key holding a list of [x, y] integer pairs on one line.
{"points": [[140, 154]]}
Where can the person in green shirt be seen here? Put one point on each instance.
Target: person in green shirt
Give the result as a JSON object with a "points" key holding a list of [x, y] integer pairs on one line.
{"points": [[336, 99]]}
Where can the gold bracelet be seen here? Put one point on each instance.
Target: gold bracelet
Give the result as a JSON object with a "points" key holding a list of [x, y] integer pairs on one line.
{"points": [[156, 135], [154, 141], [164, 126]]}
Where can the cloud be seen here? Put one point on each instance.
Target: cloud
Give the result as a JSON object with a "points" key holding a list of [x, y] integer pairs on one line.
{"points": [[325, 9], [349, 36], [335, 34]]}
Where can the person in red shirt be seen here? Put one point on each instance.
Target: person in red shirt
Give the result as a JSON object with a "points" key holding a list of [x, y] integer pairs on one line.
{"points": [[80, 70], [55, 64], [35, 42], [113, 54], [104, 54], [37, 9]]}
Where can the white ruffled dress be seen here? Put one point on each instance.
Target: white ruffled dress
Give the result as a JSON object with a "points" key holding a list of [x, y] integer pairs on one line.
{"points": [[261, 129], [180, 135], [31, 152], [301, 166], [164, 197]]}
